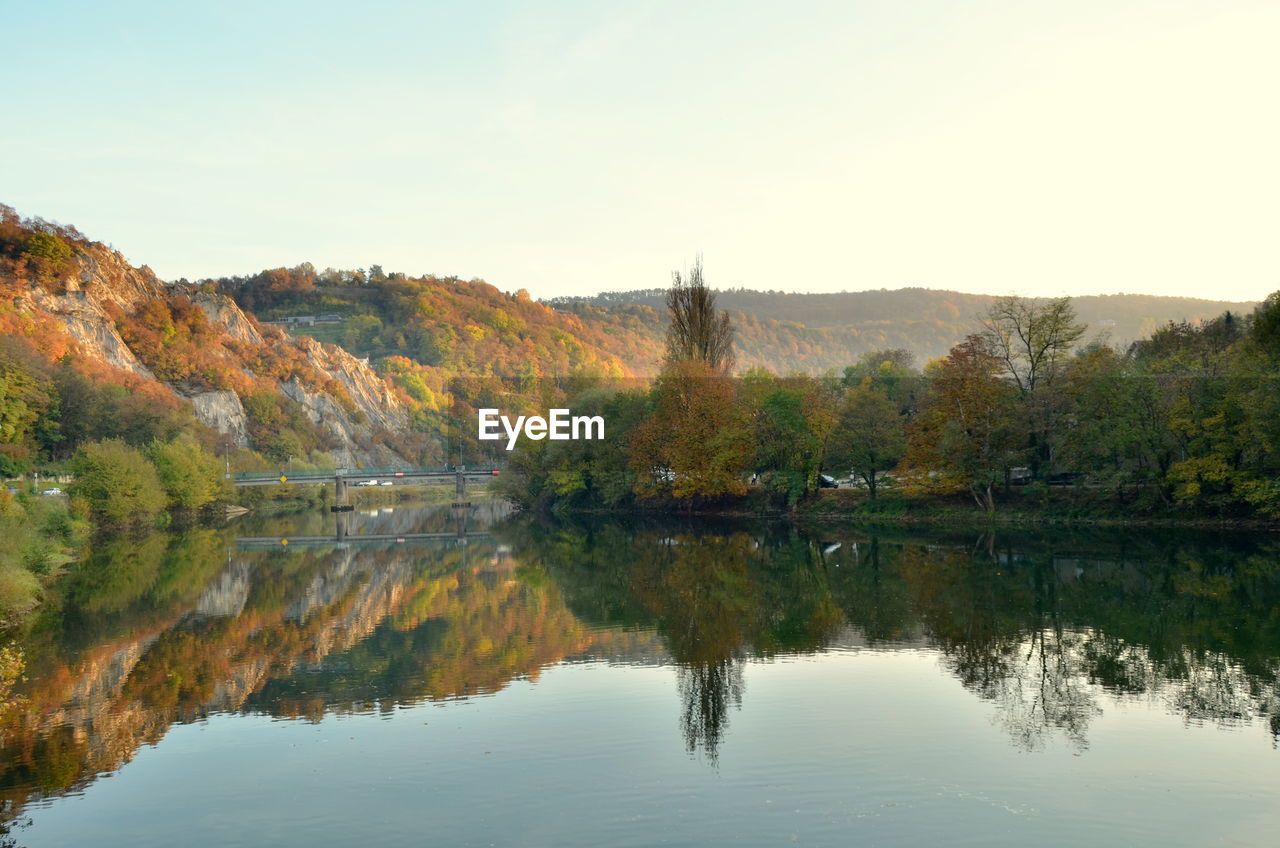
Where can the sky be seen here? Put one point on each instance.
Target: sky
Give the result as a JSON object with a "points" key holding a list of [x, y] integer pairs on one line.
{"points": [[1041, 149]]}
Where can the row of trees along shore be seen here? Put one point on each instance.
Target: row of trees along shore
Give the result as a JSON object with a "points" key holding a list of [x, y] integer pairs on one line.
{"points": [[1186, 421]]}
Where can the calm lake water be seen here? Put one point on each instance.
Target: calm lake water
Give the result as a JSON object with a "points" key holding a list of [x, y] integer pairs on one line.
{"points": [[650, 683]]}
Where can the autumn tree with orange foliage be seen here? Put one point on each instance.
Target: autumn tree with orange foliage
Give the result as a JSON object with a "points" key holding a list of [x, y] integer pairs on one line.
{"points": [[689, 447], [693, 445], [964, 438]]}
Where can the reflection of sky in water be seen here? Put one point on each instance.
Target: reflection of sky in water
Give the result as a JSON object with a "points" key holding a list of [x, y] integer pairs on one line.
{"points": [[835, 749], [615, 685]]}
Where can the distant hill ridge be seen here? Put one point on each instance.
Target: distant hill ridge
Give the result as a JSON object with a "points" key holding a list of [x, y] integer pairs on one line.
{"points": [[813, 332], [469, 327]]}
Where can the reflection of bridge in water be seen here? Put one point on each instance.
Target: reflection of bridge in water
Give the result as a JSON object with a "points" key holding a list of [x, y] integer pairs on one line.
{"points": [[342, 478], [343, 538]]}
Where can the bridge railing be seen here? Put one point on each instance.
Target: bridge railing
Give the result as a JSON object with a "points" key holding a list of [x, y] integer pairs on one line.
{"points": [[356, 473]]}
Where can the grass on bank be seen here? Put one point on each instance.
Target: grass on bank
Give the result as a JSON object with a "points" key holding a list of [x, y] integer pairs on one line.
{"points": [[38, 536], [1020, 505]]}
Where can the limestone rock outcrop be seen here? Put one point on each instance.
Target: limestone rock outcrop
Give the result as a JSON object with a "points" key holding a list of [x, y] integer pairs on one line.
{"points": [[338, 392]]}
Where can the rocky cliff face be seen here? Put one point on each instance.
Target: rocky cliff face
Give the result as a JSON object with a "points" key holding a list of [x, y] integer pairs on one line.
{"points": [[106, 276], [87, 323], [223, 312], [224, 412], [371, 394], [346, 430], [101, 285]]}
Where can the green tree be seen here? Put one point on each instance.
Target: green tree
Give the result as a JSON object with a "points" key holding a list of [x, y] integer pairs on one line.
{"points": [[590, 472], [117, 482], [892, 372], [1117, 431], [25, 397], [790, 420], [1206, 375], [191, 476], [1266, 326], [1032, 342], [870, 436], [47, 252], [360, 332]]}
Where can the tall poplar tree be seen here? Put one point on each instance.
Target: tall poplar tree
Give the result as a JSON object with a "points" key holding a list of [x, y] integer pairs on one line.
{"points": [[698, 332]]}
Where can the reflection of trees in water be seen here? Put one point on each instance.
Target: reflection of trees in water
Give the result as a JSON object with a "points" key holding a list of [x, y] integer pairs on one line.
{"points": [[1045, 633], [716, 598], [707, 691], [1037, 685], [1217, 689], [1046, 638], [1054, 681], [701, 590]]}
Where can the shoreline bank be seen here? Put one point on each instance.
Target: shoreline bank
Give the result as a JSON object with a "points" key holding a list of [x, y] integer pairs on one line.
{"points": [[833, 508]]}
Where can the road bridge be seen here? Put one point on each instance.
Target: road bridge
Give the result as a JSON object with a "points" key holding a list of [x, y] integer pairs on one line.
{"points": [[342, 478], [367, 540]]}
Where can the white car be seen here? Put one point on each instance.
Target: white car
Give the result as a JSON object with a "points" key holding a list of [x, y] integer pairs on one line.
{"points": [[367, 483], [386, 483], [54, 492]]}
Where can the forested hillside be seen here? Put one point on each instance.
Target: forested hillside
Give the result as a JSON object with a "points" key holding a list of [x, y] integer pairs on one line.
{"points": [[464, 327], [471, 328]]}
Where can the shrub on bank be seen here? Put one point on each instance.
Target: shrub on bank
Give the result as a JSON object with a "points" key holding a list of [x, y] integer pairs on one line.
{"points": [[120, 484], [190, 475], [117, 483]]}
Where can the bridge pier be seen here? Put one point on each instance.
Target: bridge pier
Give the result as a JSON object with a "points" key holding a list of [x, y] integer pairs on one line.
{"points": [[460, 515], [340, 495], [460, 489]]}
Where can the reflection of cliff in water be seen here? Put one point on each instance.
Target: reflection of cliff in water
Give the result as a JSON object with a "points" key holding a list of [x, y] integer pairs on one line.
{"points": [[1049, 632], [174, 628]]}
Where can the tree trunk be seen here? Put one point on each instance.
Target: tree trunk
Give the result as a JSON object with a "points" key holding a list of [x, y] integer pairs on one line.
{"points": [[983, 498]]}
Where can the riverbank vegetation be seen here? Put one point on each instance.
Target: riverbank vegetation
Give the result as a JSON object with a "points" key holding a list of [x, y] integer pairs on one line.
{"points": [[38, 535], [1184, 423]]}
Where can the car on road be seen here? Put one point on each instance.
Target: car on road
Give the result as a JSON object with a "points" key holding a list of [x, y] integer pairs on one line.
{"points": [[367, 483], [386, 483], [52, 492]]}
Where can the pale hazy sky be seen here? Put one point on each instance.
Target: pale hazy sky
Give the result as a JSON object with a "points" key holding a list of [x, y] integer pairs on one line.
{"points": [[1039, 148]]}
